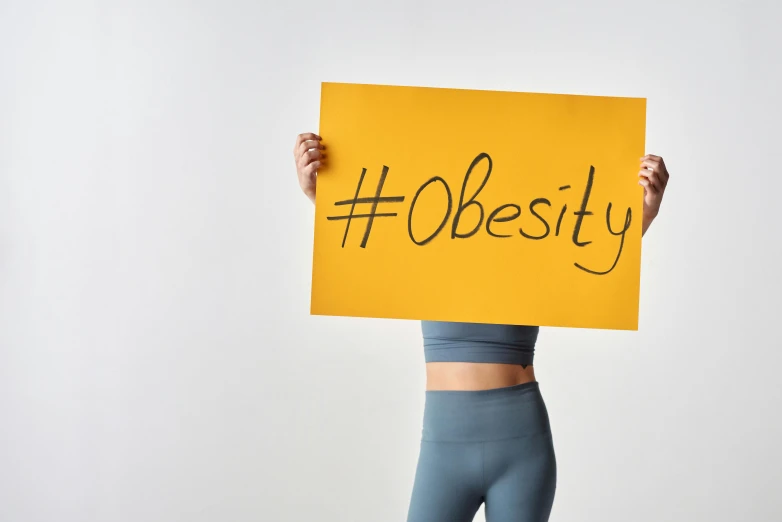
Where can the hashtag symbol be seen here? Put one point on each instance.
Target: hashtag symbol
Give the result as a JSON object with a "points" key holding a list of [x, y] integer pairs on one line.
{"points": [[370, 217]]}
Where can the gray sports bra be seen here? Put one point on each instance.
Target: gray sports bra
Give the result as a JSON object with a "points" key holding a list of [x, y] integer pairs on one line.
{"points": [[477, 342]]}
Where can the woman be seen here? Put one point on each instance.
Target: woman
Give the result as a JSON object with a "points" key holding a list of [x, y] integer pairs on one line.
{"points": [[486, 436]]}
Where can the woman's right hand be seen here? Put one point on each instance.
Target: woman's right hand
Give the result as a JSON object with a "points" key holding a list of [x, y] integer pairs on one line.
{"points": [[309, 156]]}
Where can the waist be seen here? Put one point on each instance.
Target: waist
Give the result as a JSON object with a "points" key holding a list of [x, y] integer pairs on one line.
{"points": [[496, 414], [470, 376]]}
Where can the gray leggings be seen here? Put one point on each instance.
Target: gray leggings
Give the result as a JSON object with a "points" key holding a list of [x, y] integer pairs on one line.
{"points": [[491, 446]]}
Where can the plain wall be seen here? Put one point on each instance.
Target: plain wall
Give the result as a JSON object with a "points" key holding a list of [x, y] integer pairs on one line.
{"points": [[157, 357]]}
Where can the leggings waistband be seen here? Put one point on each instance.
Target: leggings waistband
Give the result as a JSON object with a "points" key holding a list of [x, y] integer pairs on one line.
{"points": [[483, 415]]}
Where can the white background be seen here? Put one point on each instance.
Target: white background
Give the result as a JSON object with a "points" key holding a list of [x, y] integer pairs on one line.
{"points": [[157, 358]]}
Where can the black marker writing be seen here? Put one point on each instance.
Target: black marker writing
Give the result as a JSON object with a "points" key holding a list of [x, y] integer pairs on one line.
{"points": [[374, 201], [628, 219], [412, 207], [561, 214], [492, 217], [462, 206], [532, 205], [583, 212], [502, 214]]}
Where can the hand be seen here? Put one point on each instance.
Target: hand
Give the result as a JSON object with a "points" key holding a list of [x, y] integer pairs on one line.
{"points": [[309, 156], [654, 179]]}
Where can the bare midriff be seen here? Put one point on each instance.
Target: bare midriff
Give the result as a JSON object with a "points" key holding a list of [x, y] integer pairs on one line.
{"points": [[475, 376]]}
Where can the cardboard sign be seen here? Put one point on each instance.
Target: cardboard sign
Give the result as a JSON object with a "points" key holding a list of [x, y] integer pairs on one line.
{"points": [[479, 206]]}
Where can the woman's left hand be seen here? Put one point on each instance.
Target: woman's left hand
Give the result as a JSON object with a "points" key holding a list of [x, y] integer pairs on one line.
{"points": [[654, 178]]}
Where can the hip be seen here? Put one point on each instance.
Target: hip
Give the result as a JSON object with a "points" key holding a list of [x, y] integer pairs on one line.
{"points": [[516, 411]]}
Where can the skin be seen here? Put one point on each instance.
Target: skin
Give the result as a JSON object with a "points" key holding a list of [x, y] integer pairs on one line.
{"points": [[309, 154]]}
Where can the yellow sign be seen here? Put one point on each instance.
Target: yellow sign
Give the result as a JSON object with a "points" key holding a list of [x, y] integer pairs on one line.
{"points": [[479, 206]]}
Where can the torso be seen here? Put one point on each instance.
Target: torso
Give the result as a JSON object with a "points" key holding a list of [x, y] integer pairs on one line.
{"points": [[475, 376]]}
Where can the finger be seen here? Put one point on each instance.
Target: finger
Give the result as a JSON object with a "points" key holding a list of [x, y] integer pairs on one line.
{"points": [[647, 185], [307, 136], [652, 177], [310, 169], [658, 165], [306, 145], [310, 156], [662, 174], [656, 161], [651, 164], [314, 154], [658, 168], [304, 137]]}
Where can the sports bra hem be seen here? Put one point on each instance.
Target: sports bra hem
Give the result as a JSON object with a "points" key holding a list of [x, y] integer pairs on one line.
{"points": [[469, 354]]}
